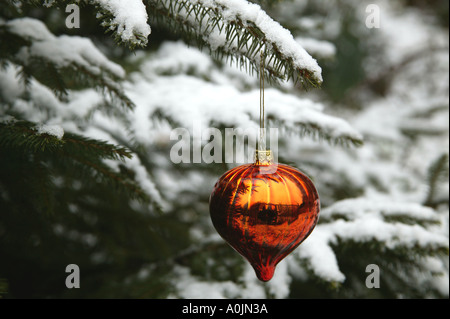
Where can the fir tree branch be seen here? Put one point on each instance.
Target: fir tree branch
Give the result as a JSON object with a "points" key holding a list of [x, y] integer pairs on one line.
{"points": [[30, 47], [390, 212], [127, 21], [320, 132], [217, 25], [79, 144], [24, 135], [23, 138], [106, 175], [437, 172]]}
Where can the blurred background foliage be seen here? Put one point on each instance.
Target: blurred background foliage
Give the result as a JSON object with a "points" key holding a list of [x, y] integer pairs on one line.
{"points": [[56, 212]]}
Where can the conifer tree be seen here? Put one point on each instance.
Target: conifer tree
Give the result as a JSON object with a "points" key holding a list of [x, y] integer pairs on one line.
{"points": [[85, 137]]}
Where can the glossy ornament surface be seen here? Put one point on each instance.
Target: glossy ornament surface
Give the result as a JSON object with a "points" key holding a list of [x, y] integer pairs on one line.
{"points": [[264, 211]]}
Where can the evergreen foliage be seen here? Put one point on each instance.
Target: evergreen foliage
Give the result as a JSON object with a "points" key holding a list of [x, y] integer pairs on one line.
{"points": [[85, 119]]}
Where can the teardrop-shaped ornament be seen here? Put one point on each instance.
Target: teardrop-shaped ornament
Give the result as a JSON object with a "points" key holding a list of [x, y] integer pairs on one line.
{"points": [[264, 211]]}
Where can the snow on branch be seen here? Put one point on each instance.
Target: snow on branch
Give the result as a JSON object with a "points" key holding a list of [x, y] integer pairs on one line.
{"points": [[351, 209], [182, 100], [320, 256], [242, 30], [63, 50], [57, 61], [403, 227], [53, 130], [127, 18], [394, 223]]}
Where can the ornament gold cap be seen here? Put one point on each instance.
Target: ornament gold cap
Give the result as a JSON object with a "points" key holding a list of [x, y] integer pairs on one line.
{"points": [[263, 157]]}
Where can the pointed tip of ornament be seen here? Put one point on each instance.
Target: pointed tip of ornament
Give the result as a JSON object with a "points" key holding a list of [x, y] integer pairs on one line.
{"points": [[264, 273]]}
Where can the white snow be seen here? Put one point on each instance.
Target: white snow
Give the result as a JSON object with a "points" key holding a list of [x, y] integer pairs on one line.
{"points": [[279, 285], [322, 49], [273, 31], [360, 207], [130, 17], [392, 235], [275, 34], [63, 50], [189, 287], [54, 130], [188, 99], [321, 258], [29, 28], [10, 89], [366, 224], [389, 172], [175, 58], [144, 180]]}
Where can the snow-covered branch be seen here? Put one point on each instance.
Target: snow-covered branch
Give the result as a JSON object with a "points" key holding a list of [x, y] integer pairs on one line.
{"points": [[127, 18], [50, 59], [241, 30]]}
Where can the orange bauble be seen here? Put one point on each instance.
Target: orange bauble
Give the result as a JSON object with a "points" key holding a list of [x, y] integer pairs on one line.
{"points": [[264, 211]]}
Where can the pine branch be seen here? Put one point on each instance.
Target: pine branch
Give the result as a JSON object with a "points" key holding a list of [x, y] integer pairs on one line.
{"points": [[127, 20], [313, 124], [61, 63], [89, 156], [390, 212], [320, 132], [239, 31], [437, 172], [240, 35], [399, 267], [24, 138], [86, 146], [381, 82], [353, 228], [103, 174]]}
